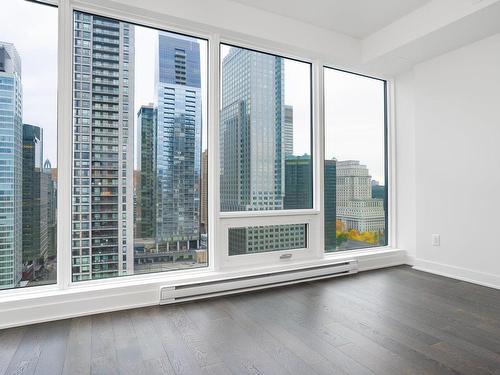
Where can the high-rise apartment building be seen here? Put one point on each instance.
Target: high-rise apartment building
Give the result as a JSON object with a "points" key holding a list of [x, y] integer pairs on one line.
{"points": [[204, 192], [146, 162], [178, 142], [35, 214], [330, 204], [103, 85], [355, 206], [11, 158], [256, 133]]}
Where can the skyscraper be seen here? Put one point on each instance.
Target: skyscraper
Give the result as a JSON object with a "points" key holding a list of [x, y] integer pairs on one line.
{"points": [[256, 133], [355, 206], [251, 138], [178, 142], [103, 136], [288, 130], [51, 209], [330, 204], [11, 156], [204, 192], [35, 186], [146, 161], [298, 182]]}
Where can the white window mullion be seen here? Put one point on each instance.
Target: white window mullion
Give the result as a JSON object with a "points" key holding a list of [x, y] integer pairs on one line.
{"points": [[213, 153], [318, 122], [64, 143]]}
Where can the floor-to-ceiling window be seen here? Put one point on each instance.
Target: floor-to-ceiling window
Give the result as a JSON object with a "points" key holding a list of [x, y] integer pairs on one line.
{"points": [[28, 144], [355, 169]]}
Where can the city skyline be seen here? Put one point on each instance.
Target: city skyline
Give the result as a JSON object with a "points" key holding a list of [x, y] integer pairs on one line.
{"points": [[107, 155], [41, 84]]}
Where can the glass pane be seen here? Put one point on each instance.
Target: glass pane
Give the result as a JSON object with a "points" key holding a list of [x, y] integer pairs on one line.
{"points": [[140, 151], [355, 167], [265, 132], [28, 144], [261, 239]]}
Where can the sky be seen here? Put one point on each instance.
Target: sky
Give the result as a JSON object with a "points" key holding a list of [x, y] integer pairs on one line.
{"points": [[354, 108], [354, 120], [37, 47]]}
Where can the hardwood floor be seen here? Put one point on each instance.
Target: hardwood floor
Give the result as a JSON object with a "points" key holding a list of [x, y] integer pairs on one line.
{"points": [[391, 321]]}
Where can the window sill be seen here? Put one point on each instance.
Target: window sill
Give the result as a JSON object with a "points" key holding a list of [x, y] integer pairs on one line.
{"points": [[52, 303]]}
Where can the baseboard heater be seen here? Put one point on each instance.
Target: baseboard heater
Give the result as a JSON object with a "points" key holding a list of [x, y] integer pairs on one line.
{"points": [[203, 290]]}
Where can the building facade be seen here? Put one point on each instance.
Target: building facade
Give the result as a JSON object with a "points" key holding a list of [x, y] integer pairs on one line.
{"points": [[298, 182], [355, 206], [288, 130], [11, 155], [204, 192], [51, 209], [256, 135], [178, 143], [103, 85], [330, 204], [145, 219], [35, 200]]}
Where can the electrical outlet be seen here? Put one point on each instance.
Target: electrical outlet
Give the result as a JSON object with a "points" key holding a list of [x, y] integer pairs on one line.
{"points": [[436, 240]]}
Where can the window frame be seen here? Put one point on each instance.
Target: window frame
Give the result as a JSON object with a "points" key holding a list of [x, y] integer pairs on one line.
{"points": [[219, 222], [389, 162]]}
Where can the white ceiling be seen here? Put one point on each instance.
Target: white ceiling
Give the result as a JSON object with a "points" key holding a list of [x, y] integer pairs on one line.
{"points": [[357, 18]]}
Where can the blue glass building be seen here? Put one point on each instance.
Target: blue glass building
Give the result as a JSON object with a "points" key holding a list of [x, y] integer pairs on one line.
{"points": [[256, 138], [178, 147], [11, 140]]}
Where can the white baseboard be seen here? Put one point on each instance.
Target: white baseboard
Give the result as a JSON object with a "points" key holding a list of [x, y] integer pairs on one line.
{"points": [[459, 273], [73, 303]]}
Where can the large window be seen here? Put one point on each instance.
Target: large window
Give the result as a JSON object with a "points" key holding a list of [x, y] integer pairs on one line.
{"points": [[140, 150], [28, 144], [355, 173], [265, 132], [130, 184]]}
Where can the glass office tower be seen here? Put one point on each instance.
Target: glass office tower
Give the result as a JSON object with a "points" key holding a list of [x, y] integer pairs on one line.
{"points": [[256, 136], [35, 186], [11, 158], [178, 144]]}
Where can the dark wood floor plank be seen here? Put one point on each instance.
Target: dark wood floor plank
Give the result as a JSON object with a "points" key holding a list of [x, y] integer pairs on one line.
{"points": [[25, 359], [78, 351], [181, 357], [326, 347], [9, 342], [363, 350], [421, 318], [55, 338], [103, 352], [128, 351], [276, 348], [153, 354], [203, 351], [240, 353], [410, 344], [390, 321]]}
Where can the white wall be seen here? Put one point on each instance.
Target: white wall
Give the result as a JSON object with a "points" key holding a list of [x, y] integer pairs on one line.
{"points": [[456, 106], [405, 164]]}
